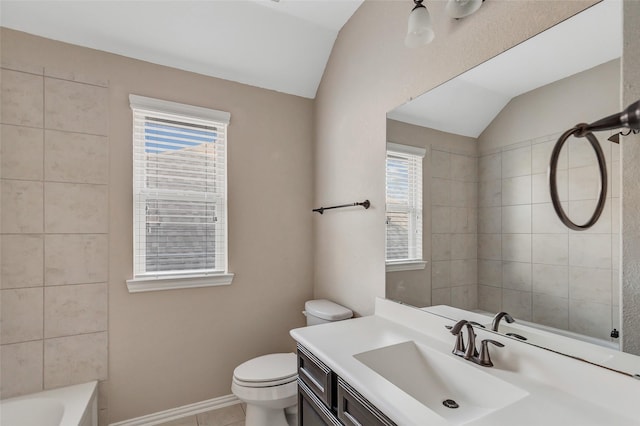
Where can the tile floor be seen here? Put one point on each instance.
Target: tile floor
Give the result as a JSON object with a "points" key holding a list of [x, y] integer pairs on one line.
{"points": [[227, 416]]}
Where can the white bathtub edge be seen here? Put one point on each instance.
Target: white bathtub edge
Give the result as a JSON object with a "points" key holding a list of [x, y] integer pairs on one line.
{"points": [[78, 400], [180, 412]]}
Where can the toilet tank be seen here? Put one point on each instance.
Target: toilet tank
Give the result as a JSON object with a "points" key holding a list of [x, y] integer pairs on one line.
{"points": [[321, 311]]}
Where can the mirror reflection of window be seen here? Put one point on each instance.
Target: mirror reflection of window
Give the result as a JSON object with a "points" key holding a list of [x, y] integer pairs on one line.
{"points": [[404, 203]]}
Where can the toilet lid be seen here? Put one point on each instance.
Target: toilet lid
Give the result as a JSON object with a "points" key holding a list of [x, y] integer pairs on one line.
{"points": [[267, 368]]}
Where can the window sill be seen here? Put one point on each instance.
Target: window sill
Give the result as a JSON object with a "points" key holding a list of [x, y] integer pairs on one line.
{"points": [[138, 285], [409, 265]]}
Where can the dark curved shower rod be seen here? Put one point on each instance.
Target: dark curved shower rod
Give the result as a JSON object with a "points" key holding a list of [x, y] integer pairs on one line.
{"points": [[366, 204]]}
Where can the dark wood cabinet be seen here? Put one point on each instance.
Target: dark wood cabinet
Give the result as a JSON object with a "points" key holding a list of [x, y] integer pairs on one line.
{"points": [[324, 399], [312, 411], [317, 376], [354, 410]]}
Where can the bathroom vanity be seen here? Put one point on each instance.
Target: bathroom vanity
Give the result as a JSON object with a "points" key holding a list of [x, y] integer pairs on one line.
{"points": [[324, 398], [397, 368]]}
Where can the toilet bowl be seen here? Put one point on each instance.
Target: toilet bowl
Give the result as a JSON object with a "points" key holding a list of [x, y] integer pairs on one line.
{"points": [[268, 384]]}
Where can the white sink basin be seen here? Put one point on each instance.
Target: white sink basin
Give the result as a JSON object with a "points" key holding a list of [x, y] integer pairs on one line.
{"points": [[432, 377]]}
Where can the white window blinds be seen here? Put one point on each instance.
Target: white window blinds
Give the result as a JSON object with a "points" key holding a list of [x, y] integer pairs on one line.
{"points": [[404, 203], [179, 189]]}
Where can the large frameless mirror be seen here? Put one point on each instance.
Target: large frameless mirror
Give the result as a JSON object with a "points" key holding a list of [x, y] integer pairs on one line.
{"points": [[489, 239]]}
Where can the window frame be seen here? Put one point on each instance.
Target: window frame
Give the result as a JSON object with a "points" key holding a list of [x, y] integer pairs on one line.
{"points": [[417, 262], [170, 280]]}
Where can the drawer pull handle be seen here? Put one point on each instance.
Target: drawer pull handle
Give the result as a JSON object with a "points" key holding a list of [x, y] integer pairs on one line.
{"points": [[313, 379], [351, 418]]}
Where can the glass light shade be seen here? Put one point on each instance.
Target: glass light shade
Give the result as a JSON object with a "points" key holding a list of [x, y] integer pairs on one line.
{"points": [[462, 8], [420, 30]]}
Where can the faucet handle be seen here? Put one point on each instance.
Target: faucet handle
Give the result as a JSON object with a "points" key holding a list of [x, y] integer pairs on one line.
{"points": [[485, 359]]}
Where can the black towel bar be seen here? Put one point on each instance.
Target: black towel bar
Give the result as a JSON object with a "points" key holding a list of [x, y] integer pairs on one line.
{"points": [[366, 204]]}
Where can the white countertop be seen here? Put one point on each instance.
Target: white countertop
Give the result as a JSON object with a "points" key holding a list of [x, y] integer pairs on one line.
{"points": [[561, 390]]}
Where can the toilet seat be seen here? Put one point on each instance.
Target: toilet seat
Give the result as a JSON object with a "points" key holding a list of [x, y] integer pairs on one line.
{"points": [[266, 371], [265, 384]]}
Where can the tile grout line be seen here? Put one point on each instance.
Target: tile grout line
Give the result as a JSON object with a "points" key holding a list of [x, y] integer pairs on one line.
{"points": [[43, 230]]}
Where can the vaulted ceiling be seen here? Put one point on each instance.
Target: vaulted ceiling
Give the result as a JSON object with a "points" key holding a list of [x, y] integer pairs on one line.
{"points": [[279, 45]]}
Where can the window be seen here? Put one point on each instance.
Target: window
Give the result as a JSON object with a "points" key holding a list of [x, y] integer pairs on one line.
{"points": [[179, 196], [404, 207]]}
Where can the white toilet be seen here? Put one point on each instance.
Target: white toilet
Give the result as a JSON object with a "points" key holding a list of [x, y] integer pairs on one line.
{"points": [[268, 384]]}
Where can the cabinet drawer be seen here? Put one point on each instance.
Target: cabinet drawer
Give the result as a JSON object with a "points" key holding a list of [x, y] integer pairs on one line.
{"points": [[316, 375], [354, 410], [312, 411]]}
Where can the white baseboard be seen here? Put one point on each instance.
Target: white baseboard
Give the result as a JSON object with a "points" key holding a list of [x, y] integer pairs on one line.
{"points": [[180, 412]]}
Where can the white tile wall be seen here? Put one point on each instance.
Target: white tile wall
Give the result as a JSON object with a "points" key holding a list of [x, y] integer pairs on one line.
{"points": [[490, 298], [490, 167], [21, 315], [21, 366], [75, 258], [591, 318], [544, 220], [490, 272], [517, 303], [22, 207], [71, 359], [75, 107], [551, 310], [490, 220], [550, 249], [75, 309], [516, 276], [552, 280], [440, 164], [22, 95], [590, 250], [529, 263], [22, 256], [464, 272], [441, 274], [516, 190], [440, 219], [54, 258], [516, 219], [516, 162], [454, 221], [490, 246], [21, 152], [490, 193], [75, 208], [516, 247], [75, 157]]}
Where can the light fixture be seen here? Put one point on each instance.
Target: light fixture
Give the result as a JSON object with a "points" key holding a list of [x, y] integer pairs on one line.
{"points": [[420, 30], [461, 8]]}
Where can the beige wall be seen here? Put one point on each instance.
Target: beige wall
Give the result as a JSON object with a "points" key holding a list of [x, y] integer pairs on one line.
{"points": [[630, 177], [583, 97], [172, 348], [369, 73]]}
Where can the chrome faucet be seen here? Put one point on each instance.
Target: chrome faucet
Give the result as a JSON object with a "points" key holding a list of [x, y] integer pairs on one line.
{"points": [[496, 320], [470, 352]]}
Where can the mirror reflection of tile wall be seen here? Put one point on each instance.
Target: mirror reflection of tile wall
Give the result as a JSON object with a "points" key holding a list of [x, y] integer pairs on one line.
{"points": [[454, 238], [531, 265]]}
